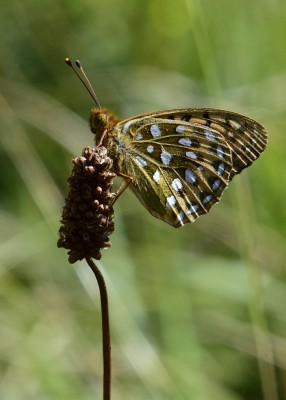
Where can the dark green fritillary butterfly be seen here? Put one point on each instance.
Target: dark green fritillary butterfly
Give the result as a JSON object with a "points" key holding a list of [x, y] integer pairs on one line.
{"points": [[179, 162]]}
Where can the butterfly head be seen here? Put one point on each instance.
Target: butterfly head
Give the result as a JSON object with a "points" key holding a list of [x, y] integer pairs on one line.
{"points": [[101, 122]]}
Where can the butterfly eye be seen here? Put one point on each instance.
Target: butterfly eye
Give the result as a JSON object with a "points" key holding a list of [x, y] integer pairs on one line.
{"points": [[97, 121]]}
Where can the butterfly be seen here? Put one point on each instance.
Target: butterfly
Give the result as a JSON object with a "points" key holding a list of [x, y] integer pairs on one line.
{"points": [[177, 162]]}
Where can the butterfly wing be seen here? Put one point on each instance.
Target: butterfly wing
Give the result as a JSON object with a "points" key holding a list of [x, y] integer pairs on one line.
{"points": [[182, 160]]}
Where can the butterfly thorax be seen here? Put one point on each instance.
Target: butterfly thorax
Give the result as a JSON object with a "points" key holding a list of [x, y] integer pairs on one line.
{"points": [[102, 123]]}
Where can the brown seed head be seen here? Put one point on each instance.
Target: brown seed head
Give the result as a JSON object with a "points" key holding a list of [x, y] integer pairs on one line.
{"points": [[87, 218]]}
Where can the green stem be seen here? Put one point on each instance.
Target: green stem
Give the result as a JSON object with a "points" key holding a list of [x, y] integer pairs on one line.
{"points": [[105, 330]]}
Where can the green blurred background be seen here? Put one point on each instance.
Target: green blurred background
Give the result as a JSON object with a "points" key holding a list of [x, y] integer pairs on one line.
{"points": [[197, 312]]}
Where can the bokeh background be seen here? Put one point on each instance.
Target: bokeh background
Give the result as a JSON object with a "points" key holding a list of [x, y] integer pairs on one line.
{"points": [[197, 312]]}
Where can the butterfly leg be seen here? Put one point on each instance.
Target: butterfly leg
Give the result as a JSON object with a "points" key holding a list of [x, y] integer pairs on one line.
{"points": [[126, 182], [101, 139]]}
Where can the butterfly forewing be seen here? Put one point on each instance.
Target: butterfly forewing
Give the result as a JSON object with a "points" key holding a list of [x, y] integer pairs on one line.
{"points": [[246, 137], [179, 169]]}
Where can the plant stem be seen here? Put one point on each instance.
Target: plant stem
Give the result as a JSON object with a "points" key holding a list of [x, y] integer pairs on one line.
{"points": [[106, 346]]}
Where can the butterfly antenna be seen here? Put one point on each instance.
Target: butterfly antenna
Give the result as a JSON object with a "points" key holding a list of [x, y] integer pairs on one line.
{"points": [[87, 84]]}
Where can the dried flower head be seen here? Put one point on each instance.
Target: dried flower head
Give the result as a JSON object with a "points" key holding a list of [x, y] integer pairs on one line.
{"points": [[87, 218]]}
